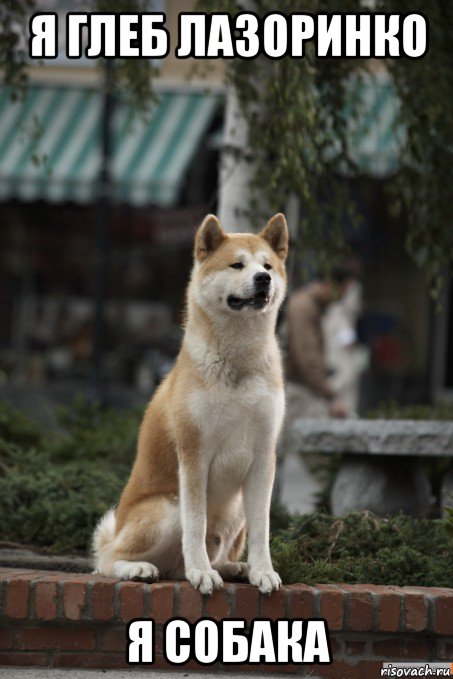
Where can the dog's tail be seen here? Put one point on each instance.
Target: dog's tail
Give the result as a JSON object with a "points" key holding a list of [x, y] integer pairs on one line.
{"points": [[102, 542]]}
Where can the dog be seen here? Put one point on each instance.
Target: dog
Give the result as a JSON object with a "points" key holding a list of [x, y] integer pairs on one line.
{"points": [[205, 463]]}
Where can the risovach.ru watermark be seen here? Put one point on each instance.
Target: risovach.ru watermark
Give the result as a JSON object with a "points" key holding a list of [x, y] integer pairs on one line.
{"points": [[404, 669]]}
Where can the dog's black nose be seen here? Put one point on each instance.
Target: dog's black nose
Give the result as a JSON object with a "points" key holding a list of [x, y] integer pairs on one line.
{"points": [[262, 279]]}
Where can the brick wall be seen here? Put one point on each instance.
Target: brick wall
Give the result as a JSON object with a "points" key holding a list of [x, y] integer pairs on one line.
{"points": [[51, 619]]}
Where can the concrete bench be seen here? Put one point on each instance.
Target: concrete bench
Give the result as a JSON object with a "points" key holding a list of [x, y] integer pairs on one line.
{"points": [[380, 470]]}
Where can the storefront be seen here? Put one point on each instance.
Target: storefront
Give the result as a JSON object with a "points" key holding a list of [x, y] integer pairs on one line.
{"points": [[163, 178]]}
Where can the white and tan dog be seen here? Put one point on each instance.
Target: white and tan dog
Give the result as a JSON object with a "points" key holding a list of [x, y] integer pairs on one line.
{"points": [[206, 452]]}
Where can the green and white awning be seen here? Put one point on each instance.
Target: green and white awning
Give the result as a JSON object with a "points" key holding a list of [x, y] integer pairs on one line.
{"points": [[50, 145], [50, 141]]}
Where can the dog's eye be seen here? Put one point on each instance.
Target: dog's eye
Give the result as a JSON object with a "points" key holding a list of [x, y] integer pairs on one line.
{"points": [[268, 267], [237, 265]]}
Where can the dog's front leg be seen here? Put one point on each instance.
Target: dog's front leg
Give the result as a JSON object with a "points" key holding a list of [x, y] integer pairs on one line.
{"points": [[257, 500], [193, 487]]}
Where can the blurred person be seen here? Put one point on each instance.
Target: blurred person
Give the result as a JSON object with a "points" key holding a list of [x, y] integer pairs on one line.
{"points": [[346, 359], [309, 391]]}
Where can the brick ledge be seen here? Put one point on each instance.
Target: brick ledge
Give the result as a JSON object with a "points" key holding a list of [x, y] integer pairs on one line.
{"points": [[55, 619]]}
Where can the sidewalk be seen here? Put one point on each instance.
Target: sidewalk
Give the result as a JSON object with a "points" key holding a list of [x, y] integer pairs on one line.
{"points": [[33, 673]]}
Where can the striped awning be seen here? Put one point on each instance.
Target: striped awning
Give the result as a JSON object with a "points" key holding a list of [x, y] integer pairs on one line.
{"points": [[50, 145]]}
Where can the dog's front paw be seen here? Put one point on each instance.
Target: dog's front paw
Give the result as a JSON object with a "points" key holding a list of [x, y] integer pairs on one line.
{"points": [[204, 580], [266, 580], [135, 570], [238, 570]]}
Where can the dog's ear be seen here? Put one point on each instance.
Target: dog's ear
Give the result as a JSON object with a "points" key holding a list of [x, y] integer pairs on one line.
{"points": [[209, 236], [276, 234]]}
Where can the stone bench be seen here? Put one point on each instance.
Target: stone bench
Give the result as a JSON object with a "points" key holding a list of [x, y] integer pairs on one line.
{"points": [[380, 469]]}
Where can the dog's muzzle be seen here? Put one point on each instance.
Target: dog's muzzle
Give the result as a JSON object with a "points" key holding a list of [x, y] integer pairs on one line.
{"points": [[260, 298]]}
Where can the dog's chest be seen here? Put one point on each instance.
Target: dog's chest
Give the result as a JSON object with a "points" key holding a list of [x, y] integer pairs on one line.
{"points": [[233, 423], [224, 413]]}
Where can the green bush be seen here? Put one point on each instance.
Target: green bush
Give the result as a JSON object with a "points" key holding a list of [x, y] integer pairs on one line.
{"points": [[92, 433], [15, 427], [53, 489], [361, 547], [54, 506]]}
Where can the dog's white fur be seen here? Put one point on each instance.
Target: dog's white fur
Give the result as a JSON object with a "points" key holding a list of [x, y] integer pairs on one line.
{"points": [[206, 451]]}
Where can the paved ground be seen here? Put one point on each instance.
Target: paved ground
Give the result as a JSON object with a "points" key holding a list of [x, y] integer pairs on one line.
{"points": [[31, 673]]}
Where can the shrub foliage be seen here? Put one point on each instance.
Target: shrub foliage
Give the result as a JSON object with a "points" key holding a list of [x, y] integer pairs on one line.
{"points": [[53, 488], [360, 547]]}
